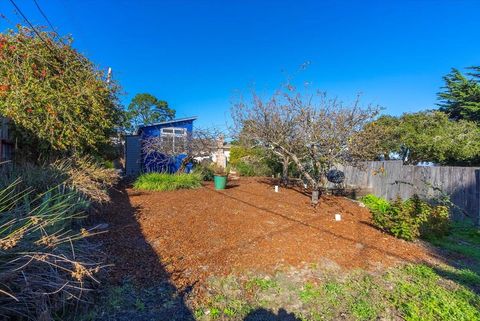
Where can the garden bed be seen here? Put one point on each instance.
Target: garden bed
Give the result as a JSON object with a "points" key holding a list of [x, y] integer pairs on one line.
{"points": [[188, 236]]}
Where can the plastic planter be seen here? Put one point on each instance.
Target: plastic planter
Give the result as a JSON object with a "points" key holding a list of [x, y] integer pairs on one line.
{"points": [[220, 181]]}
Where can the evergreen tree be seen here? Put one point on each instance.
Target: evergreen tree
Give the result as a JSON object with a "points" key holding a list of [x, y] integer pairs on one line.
{"points": [[147, 109], [461, 96]]}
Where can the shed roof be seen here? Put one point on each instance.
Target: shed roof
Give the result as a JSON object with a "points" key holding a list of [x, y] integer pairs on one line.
{"points": [[173, 121], [178, 120]]}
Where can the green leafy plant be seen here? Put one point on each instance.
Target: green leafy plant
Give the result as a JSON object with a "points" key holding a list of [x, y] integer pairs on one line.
{"points": [[260, 283], [253, 161], [167, 182], [245, 169], [409, 219], [205, 170], [58, 100]]}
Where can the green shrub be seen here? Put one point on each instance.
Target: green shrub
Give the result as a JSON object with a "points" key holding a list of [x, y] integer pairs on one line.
{"points": [[167, 182], [204, 170], [252, 161], [237, 153], [245, 169], [408, 219], [58, 100], [252, 167]]}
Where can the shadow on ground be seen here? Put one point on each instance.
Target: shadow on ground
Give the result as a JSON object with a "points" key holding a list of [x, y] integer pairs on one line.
{"points": [[138, 287], [265, 315]]}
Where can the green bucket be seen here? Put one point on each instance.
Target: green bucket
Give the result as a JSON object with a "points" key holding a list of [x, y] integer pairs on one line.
{"points": [[220, 181]]}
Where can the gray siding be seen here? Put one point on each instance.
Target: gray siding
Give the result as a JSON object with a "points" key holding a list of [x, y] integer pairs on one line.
{"points": [[132, 155]]}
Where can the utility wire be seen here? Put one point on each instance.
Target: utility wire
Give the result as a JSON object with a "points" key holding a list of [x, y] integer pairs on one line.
{"points": [[31, 26], [35, 30], [44, 16]]}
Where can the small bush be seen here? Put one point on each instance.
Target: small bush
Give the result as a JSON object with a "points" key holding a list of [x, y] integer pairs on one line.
{"points": [[252, 161], [204, 170], [409, 219], [245, 169], [167, 182], [252, 167]]}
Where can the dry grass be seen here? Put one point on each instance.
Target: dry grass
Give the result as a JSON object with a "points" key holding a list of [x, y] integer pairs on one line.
{"points": [[44, 265], [80, 174], [87, 177]]}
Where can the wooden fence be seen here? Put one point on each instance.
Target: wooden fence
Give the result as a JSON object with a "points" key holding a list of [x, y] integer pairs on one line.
{"points": [[6, 144], [390, 179]]}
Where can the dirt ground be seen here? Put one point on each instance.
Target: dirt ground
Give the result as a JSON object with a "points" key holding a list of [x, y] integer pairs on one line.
{"points": [[189, 235]]}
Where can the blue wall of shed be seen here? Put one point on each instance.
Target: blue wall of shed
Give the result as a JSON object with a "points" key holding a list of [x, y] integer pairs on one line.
{"points": [[154, 130], [163, 164]]}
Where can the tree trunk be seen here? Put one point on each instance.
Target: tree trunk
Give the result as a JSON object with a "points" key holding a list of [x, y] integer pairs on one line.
{"points": [[184, 164], [285, 163], [308, 177]]}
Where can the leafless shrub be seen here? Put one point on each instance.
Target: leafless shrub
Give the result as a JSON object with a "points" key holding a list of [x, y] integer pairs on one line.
{"points": [[162, 150], [88, 178]]}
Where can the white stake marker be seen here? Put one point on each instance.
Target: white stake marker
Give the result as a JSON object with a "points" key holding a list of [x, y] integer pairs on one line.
{"points": [[338, 217], [276, 188]]}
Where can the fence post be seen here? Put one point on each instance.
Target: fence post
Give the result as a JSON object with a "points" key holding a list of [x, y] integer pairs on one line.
{"points": [[477, 194]]}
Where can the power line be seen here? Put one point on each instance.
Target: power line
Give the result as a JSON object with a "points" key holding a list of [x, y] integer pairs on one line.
{"points": [[38, 33], [44, 16], [31, 26]]}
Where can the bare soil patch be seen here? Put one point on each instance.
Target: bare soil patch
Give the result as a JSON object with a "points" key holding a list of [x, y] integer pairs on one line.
{"points": [[189, 235]]}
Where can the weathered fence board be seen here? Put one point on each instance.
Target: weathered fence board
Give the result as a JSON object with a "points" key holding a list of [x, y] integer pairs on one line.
{"points": [[392, 179]]}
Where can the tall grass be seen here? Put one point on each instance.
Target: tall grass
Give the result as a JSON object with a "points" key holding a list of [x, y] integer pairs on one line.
{"points": [[44, 264], [167, 182], [81, 174]]}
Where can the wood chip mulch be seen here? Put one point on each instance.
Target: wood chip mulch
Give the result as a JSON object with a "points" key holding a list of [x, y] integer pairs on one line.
{"points": [[188, 235]]}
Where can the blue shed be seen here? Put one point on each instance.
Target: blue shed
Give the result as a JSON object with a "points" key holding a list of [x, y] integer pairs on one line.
{"points": [[176, 131]]}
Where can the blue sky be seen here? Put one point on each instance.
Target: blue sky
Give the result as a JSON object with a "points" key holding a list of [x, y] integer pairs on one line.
{"points": [[198, 54]]}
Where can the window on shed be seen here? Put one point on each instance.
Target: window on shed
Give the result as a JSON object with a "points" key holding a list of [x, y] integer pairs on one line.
{"points": [[173, 131], [176, 137]]}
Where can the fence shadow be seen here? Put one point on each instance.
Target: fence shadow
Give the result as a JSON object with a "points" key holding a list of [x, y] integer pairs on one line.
{"points": [[138, 277], [469, 280], [266, 315]]}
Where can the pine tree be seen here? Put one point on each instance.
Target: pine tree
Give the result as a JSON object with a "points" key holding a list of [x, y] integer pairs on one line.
{"points": [[461, 96]]}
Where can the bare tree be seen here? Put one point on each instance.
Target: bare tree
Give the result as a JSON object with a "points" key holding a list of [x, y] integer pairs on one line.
{"points": [[268, 124], [315, 132], [163, 150]]}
